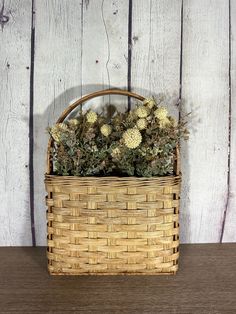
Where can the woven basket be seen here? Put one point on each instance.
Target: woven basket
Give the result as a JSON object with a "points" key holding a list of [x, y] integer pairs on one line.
{"points": [[112, 225]]}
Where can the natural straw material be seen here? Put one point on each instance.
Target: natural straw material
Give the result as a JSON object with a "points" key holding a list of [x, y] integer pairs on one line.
{"points": [[112, 225]]}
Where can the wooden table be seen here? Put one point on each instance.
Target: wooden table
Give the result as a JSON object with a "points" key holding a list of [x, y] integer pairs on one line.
{"points": [[205, 283]]}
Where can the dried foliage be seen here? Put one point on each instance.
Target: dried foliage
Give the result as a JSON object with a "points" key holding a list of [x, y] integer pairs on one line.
{"points": [[140, 142]]}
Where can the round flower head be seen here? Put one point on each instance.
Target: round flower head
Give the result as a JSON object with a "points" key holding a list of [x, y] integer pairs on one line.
{"points": [[141, 124], [73, 122], [62, 126], [164, 123], [57, 130], [132, 138], [105, 130], [91, 117], [149, 102], [115, 152], [141, 112], [161, 113]]}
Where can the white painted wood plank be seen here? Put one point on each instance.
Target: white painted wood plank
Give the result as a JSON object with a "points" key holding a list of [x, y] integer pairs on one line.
{"points": [[205, 93], [14, 127], [156, 38], [58, 71], [105, 49], [229, 234], [57, 82], [58, 74]]}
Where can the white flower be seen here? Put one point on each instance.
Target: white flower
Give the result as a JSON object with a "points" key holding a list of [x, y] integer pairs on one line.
{"points": [[161, 113], [73, 122], [105, 130], [141, 112], [149, 102], [91, 117], [115, 152], [141, 124], [164, 123], [132, 138], [57, 130]]}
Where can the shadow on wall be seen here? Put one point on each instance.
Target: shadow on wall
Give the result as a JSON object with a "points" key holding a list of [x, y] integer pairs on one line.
{"points": [[49, 117]]}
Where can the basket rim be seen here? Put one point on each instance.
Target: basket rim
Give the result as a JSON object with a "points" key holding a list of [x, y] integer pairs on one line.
{"points": [[119, 178], [113, 181]]}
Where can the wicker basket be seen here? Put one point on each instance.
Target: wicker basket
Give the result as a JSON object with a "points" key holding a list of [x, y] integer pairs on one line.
{"points": [[112, 225]]}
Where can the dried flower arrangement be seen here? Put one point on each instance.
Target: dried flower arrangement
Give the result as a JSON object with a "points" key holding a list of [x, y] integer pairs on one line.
{"points": [[139, 143]]}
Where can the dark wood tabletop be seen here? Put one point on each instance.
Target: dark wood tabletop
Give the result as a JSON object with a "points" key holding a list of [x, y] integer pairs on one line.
{"points": [[205, 283]]}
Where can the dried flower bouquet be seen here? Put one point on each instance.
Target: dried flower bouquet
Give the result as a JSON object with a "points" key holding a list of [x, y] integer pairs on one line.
{"points": [[141, 142]]}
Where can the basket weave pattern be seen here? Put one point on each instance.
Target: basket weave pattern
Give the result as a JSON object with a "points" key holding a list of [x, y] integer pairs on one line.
{"points": [[112, 225]]}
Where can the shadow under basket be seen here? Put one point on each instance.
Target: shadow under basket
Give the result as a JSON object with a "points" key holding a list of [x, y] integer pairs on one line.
{"points": [[112, 225]]}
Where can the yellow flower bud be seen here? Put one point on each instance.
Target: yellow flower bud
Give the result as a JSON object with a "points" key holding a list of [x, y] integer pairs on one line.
{"points": [[164, 123], [105, 130], [91, 117], [161, 113], [141, 124], [141, 112], [132, 138], [149, 102], [115, 152], [57, 130], [73, 122]]}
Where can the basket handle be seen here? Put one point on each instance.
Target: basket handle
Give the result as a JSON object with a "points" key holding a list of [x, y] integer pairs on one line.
{"points": [[80, 101]]}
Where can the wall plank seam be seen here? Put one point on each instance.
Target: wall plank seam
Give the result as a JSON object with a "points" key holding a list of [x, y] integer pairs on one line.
{"points": [[3, 18], [81, 43], [229, 134], [31, 126], [108, 46], [129, 50], [181, 59]]}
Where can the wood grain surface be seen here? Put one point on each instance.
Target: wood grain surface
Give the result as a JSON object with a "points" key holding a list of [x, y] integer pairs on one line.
{"points": [[75, 54], [15, 43], [205, 156], [205, 283], [54, 51], [229, 227], [104, 49], [57, 82], [156, 43]]}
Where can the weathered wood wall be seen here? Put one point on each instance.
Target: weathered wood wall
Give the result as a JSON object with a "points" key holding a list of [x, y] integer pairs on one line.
{"points": [[54, 51]]}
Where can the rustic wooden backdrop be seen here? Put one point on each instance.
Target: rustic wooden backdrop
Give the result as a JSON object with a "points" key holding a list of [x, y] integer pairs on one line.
{"points": [[54, 51]]}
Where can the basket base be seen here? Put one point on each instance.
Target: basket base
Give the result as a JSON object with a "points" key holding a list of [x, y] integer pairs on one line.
{"points": [[112, 274]]}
